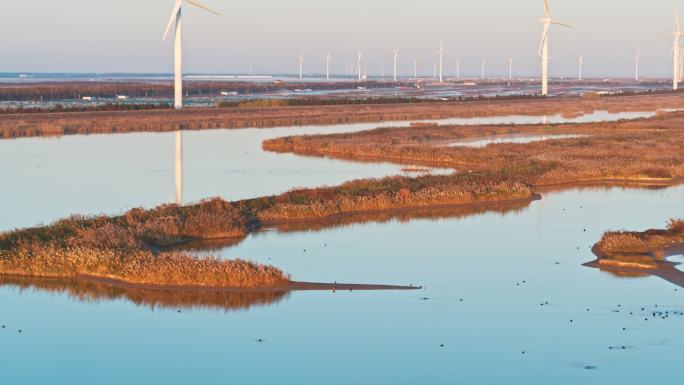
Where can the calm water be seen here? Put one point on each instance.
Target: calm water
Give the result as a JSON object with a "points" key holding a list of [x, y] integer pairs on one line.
{"points": [[484, 275]]}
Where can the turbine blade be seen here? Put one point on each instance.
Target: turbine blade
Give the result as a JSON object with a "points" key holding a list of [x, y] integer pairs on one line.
{"points": [[545, 34], [561, 24], [172, 20], [198, 4], [546, 8]]}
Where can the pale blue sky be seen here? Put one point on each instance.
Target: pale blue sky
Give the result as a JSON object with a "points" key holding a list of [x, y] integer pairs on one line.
{"points": [[125, 35]]}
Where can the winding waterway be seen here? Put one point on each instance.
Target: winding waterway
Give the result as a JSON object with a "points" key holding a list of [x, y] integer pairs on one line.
{"points": [[505, 300]]}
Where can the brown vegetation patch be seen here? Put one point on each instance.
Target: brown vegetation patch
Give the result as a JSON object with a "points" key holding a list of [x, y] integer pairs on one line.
{"points": [[40, 124], [643, 250], [638, 150]]}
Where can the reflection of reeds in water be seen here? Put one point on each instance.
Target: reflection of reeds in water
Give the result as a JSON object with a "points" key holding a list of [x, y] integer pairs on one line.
{"points": [[93, 292], [404, 215]]}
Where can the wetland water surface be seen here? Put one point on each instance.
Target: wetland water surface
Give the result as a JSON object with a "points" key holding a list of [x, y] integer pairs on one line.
{"points": [[487, 279]]}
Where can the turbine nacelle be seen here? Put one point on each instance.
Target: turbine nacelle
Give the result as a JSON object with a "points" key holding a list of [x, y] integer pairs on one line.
{"points": [[177, 8]]}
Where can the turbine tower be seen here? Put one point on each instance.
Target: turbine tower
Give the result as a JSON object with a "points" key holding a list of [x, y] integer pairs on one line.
{"points": [[359, 58], [178, 46], [415, 69], [675, 52], [458, 68], [441, 53], [636, 62], [484, 66], [396, 56], [301, 66], [328, 58], [510, 69], [580, 76], [544, 46]]}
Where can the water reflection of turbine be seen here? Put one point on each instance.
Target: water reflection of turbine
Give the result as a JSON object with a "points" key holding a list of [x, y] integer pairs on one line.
{"points": [[179, 168], [541, 211]]}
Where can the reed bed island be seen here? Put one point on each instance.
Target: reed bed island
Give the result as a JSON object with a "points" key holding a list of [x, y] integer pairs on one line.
{"points": [[640, 250]]}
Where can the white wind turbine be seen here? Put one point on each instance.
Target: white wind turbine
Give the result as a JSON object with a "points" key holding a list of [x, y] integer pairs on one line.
{"points": [[396, 56], [441, 53], [544, 46], [510, 69], [580, 76], [415, 69], [675, 52], [301, 66], [458, 68], [328, 58], [176, 16], [484, 67]]}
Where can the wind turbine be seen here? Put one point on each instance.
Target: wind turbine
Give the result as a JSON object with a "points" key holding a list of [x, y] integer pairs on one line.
{"points": [[458, 68], [675, 52], [441, 53], [359, 58], [636, 62], [510, 69], [580, 77], [176, 16], [396, 56], [484, 66], [415, 69], [328, 58], [544, 46], [301, 66]]}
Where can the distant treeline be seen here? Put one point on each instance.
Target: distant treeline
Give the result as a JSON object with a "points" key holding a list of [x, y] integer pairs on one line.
{"points": [[86, 108]]}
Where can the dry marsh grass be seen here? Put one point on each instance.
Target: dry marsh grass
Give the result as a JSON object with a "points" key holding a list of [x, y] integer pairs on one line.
{"points": [[125, 249], [645, 149], [640, 249]]}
